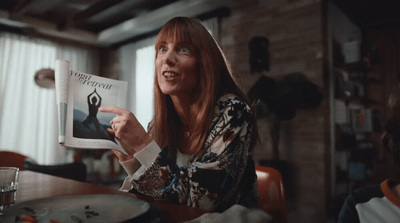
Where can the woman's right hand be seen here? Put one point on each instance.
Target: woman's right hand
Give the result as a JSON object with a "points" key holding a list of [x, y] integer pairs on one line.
{"points": [[128, 130], [122, 157]]}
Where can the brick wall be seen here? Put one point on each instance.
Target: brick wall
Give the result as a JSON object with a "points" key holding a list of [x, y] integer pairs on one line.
{"points": [[295, 31]]}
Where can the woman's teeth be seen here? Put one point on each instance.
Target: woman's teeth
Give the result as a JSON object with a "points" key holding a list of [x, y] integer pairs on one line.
{"points": [[169, 74]]}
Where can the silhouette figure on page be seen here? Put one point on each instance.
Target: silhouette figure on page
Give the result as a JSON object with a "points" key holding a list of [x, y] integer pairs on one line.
{"points": [[94, 102]]}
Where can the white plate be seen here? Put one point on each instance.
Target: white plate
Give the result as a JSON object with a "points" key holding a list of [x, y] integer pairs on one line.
{"points": [[84, 209]]}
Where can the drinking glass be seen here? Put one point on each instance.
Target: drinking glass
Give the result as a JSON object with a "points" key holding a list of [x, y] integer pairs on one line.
{"points": [[8, 186]]}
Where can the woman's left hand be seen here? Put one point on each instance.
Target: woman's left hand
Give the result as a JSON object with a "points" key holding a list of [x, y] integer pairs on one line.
{"points": [[127, 129]]}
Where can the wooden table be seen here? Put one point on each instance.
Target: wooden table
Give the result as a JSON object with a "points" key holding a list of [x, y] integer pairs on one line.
{"points": [[33, 185]]}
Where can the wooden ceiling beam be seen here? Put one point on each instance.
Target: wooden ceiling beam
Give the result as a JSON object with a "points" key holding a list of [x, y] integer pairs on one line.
{"points": [[155, 19], [115, 9], [140, 25], [33, 6], [19, 7], [83, 16], [50, 29]]}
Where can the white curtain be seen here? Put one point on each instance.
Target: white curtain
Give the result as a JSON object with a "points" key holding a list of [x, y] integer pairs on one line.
{"points": [[137, 67], [28, 122]]}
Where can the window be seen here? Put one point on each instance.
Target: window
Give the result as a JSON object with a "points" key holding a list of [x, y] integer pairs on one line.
{"points": [[28, 115]]}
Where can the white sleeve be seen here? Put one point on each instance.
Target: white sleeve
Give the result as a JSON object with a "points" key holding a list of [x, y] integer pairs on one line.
{"points": [[139, 164], [148, 154]]}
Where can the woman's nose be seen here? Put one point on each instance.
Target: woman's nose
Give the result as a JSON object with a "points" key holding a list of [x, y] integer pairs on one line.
{"points": [[170, 59]]}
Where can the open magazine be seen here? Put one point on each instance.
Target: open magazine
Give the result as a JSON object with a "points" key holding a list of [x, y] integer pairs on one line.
{"points": [[78, 96]]}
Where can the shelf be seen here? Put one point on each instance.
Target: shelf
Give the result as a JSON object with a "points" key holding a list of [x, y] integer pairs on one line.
{"points": [[353, 85], [360, 77], [363, 101], [354, 67]]}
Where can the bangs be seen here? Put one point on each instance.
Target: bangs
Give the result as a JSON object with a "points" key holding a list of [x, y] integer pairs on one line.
{"points": [[177, 30]]}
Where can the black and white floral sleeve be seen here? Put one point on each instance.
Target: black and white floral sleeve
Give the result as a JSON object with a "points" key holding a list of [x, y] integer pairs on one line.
{"points": [[212, 177]]}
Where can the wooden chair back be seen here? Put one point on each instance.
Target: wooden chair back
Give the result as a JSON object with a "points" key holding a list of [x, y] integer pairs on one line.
{"points": [[74, 171], [271, 193], [10, 158]]}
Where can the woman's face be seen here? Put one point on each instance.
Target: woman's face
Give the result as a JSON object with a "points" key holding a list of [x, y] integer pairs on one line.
{"points": [[176, 68]]}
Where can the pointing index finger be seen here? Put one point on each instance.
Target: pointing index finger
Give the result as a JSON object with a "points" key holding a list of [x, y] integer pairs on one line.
{"points": [[115, 110]]}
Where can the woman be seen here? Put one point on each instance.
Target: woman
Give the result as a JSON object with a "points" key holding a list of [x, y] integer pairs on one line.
{"points": [[380, 202], [197, 150]]}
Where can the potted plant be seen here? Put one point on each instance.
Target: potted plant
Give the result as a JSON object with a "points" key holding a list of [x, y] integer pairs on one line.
{"points": [[278, 102]]}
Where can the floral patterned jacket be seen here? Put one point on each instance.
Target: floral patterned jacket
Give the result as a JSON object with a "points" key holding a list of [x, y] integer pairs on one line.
{"points": [[215, 179]]}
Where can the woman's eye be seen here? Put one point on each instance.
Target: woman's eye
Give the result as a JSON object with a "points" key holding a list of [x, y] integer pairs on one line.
{"points": [[162, 49], [185, 50]]}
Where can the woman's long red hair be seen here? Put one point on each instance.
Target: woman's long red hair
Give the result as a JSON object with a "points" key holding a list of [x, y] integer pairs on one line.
{"points": [[215, 79]]}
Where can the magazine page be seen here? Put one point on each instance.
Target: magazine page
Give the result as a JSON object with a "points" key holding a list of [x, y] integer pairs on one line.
{"points": [[87, 127], [61, 73]]}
